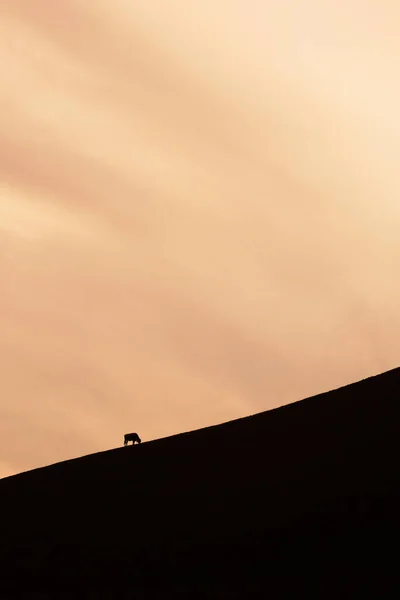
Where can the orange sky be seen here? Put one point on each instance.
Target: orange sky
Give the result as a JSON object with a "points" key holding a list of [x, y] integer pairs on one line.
{"points": [[199, 213]]}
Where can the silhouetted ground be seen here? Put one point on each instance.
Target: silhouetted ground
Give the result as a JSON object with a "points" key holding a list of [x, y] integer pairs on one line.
{"points": [[300, 501]]}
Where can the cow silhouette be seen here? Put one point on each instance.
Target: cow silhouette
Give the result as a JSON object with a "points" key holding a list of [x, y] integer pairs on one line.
{"points": [[131, 437]]}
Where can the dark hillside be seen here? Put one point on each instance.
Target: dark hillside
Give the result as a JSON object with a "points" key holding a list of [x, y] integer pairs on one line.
{"points": [[299, 500]]}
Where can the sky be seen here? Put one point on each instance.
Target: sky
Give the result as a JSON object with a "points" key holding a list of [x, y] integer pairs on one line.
{"points": [[199, 213]]}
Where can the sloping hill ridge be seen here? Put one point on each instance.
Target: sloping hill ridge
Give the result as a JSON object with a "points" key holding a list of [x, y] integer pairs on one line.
{"points": [[303, 499]]}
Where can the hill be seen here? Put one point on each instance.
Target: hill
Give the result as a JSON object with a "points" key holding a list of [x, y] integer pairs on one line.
{"points": [[302, 500]]}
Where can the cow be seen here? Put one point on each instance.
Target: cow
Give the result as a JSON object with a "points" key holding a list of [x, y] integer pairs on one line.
{"points": [[131, 437]]}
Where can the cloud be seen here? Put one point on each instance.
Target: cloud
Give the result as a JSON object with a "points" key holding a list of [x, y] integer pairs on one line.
{"points": [[198, 213]]}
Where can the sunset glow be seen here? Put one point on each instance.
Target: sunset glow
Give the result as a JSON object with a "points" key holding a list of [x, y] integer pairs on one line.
{"points": [[199, 213]]}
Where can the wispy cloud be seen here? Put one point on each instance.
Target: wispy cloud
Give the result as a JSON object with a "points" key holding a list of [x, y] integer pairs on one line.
{"points": [[198, 213]]}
